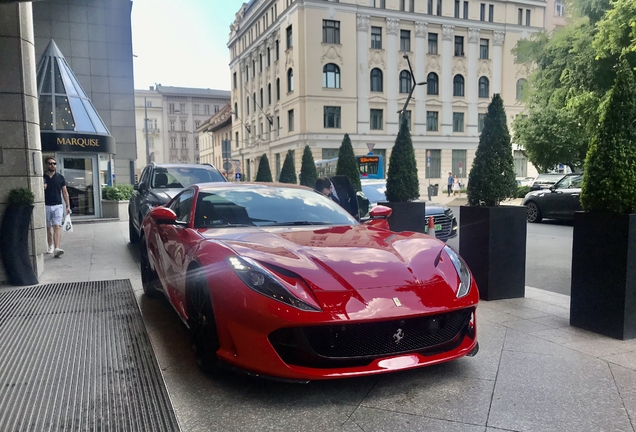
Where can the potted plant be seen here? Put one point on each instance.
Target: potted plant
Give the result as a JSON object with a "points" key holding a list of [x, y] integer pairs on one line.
{"points": [[14, 238], [288, 171], [603, 293], [403, 187], [264, 174], [308, 173], [115, 201], [492, 237]]}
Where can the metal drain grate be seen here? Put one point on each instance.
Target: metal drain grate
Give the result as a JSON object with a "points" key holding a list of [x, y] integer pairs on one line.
{"points": [[77, 357]]}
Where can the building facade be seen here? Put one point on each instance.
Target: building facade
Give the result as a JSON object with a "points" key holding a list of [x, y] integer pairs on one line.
{"points": [[305, 72], [212, 133], [167, 119]]}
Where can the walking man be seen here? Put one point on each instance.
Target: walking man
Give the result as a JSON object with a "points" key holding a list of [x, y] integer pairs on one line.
{"points": [[450, 182], [54, 189]]}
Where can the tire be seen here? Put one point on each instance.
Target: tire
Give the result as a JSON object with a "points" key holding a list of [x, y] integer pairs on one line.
{"points": [[149, 278], [205, 339], [133, 236], [534, 212]]}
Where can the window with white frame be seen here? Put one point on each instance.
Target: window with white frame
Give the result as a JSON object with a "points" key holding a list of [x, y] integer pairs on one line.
{"points": [[290, 80], [376, 119], [206, 109], [432, 43], [432, 121], [196, 109], [376, 80], [330, 31], [331, 76], [483, 48], [405, 81], [183, 125], [184, 142], [172, 125], [458, 86], [405, 40], [376, 37], [458, 122], [559, 8], [182, 108], [173, 142], [484, 87], [331, 117], [480, 122]]}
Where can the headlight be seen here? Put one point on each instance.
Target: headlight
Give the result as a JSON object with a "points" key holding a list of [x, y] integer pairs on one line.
{"points": [[462, 271], [263, 282]]}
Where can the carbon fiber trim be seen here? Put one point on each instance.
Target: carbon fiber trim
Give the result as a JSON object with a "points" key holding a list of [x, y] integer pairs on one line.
{"points": [[77, 357]]}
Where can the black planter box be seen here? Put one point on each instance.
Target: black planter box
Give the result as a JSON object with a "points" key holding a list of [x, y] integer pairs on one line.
{"points": [[603, 292], [492, 241], [14, 245], [407, 216]]}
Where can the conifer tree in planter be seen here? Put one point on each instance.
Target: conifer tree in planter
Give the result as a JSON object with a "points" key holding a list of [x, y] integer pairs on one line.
{"points": [[288, 171], [403, 187], [264, 174], [308, 173], [492, 237], [347, 164], [14, 238], [603, 292]]}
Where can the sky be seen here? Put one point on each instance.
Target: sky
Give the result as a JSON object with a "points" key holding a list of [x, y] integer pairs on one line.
{"points": [[182, 43]]}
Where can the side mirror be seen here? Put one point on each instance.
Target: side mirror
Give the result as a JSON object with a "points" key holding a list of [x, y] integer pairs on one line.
{"points": [[136, 186], [380, 212], [163, 215]]}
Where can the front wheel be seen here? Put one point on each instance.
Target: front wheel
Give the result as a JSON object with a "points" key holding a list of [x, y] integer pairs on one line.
{"points": [[205, 339], [149, 277], [534, 213], [133, 236]]}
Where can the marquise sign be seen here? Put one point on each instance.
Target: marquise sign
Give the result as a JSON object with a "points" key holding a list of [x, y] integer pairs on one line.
{"points": [[77, 142]]}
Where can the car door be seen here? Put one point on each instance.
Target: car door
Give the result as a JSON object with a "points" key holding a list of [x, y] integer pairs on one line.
{"points": [[174, 240], [573, 193], [564, 197]]}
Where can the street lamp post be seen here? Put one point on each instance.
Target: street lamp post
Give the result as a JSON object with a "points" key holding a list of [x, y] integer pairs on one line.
{"points": [[146, 131]]}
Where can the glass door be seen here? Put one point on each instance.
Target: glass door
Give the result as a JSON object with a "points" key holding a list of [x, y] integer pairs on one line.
{"points": [[80, 173]]}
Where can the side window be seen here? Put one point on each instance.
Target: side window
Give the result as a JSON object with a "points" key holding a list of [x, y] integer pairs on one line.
{"points": [[577, 182], [183, 205]]}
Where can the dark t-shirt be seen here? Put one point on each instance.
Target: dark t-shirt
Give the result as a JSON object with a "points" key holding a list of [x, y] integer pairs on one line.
{"points": [[53, 191]]}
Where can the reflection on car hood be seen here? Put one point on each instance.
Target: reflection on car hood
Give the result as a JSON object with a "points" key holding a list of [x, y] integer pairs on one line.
{"points": [[341, 258], [165, 195], [537, 193]]}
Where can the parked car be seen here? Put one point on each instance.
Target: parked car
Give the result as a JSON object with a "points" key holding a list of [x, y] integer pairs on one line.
{"points": [[544, 181], [280, 281], [558, 202], [524, 181], [161, 182], [445, 222]]}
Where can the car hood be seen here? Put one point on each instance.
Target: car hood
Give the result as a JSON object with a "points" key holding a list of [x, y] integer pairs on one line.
{"points": [[164, 195], [342, 258], [537, 193]]}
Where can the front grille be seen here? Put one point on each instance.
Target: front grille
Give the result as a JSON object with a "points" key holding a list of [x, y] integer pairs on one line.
{"points": [[447, 225], [357, 344]]}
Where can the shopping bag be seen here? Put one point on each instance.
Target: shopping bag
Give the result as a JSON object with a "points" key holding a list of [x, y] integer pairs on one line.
{"points": [[67, 226]]}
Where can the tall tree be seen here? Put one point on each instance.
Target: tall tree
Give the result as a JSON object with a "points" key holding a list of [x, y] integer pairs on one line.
{"points": [[288, 171], [264, 174], [347, 163], [308, 173], [492, 177], [402, 184], [609, 181]]}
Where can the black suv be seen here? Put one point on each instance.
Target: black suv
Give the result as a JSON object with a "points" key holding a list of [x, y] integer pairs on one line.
{"points": [[159, 183]]}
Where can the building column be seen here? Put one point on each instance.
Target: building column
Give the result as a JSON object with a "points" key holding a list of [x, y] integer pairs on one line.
{"points": [[497, 61], [392, 80], [448, 51], [472, 81], [20, 149], [272, 81], [363, 74], [421, 29]]}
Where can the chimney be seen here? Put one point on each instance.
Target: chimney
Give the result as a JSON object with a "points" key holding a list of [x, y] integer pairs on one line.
{"points": [[152, 88]]}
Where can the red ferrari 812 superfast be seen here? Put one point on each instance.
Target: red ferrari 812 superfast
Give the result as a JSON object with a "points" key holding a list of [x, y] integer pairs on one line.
{"points": [[280, 281]]}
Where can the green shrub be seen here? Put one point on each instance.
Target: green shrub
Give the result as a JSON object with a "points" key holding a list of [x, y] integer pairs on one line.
{"points": [[609, 179], [347, 163], [21, 197], [402, 184], [288, 171], [264, 174], [522, 191], [308, 172], [121, 192], [492, 177]]}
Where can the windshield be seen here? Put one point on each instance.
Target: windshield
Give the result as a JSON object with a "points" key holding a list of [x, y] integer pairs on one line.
{"points": [[375, 192], [267, 206], [180, 177]]}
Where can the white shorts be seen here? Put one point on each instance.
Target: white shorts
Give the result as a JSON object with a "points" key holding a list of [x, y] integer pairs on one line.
{"points": [[54, 215]]}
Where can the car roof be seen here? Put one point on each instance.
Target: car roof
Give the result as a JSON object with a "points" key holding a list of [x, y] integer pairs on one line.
{"points": [[251, 185], [162, 165]]}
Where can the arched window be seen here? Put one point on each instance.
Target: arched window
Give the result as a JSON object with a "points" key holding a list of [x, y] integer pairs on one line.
{"points": [[521, 87], [432, 84], [484, 87], [290, 80], [376, 80], [331, 76], [458, 85], [405, 81]]}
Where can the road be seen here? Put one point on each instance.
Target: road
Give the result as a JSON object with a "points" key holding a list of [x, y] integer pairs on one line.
{"points": [[548, 255]]}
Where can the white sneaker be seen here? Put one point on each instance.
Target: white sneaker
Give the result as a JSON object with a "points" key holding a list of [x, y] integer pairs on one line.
{"points": [[50, 250], [58, 252]]}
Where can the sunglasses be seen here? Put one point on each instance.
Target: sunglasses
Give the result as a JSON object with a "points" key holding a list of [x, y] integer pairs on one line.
{"points": [[51, 163]]}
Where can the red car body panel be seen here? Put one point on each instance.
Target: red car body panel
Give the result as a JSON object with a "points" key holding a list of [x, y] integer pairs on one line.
{"points": [[355, 274]]}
